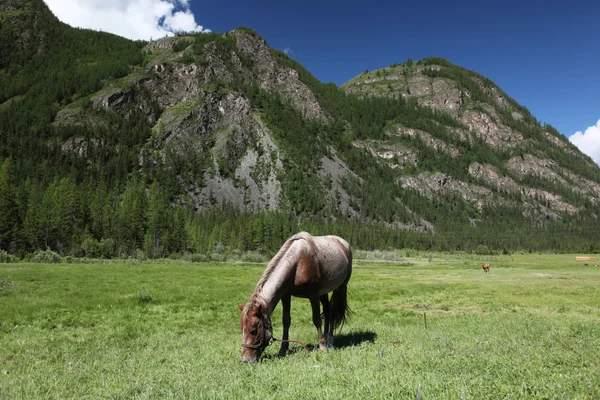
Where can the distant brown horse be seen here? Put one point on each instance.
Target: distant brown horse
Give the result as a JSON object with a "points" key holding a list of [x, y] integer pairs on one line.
{"points": [[486, 267], [306, 266]]}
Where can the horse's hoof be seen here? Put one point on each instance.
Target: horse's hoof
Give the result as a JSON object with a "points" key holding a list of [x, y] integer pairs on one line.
{"points": [[282, 352]]}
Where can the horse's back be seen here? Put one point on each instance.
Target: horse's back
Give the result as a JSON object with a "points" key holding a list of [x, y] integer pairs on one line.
{"points": [[335, 261]]}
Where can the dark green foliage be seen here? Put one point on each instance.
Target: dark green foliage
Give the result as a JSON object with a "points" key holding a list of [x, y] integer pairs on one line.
{"points": [[55, 66], [8, 206], [180, 45]]}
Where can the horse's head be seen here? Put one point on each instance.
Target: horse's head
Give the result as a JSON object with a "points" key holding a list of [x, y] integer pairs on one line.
{"points": [[256, 330]]}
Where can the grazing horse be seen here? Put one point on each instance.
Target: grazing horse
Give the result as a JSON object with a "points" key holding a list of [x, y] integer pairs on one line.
{"points": [[486, 267], [306, 266]]}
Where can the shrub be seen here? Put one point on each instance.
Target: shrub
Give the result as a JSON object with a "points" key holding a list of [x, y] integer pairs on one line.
{"points": [[482, 250], [198, 257], [254, 257], [5, 257], [46, 256], [218, 257], [140, 255], [108, 248]]}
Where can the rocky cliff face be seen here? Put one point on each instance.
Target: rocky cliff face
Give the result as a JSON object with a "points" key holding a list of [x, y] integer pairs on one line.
{"points": [[196, 112]]}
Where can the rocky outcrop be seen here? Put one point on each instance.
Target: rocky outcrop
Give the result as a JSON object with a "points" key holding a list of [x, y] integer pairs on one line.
{"points": [[428, 184], [255, 186], [444, 96], [333, 171], [274, 77], [438, 93], [486, 126], [80, 146], [226, 129], [503, 184], [174, 83], [530, 165], [567, 147], [428, 139], [492, 178], [397, 154], [78, 116]]}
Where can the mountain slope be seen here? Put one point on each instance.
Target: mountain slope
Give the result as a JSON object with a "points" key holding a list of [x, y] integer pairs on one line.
{"points": [[505, 148], [205, 141]]}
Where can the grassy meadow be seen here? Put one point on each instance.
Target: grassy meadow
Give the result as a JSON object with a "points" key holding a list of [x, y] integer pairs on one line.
{"points": [[125, 330]]}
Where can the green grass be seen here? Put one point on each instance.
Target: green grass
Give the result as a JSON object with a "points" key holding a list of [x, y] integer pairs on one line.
{"points": [[528, 329]]}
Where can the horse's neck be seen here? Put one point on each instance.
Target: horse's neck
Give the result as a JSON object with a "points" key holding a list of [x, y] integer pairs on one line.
{"points": [[273, 288]]}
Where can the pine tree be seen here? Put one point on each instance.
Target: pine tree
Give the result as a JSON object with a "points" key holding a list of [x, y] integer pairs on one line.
{"points": [[156, 240], [9, 212]]}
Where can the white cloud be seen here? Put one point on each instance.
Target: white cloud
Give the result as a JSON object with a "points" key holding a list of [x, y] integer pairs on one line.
{"points": [[133, 19], [589, 141]]}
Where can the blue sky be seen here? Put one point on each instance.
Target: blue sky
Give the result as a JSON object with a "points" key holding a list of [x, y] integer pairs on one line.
{"points": [[544, 54]]}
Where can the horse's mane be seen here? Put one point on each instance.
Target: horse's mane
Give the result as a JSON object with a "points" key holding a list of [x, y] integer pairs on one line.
{"points": [[277, 258]]}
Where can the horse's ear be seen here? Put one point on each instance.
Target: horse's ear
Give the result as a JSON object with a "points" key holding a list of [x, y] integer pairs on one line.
{"points": [[241, 306]]}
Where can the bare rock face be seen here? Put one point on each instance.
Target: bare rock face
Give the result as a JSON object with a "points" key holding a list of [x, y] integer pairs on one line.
{"points": [[588, 188], [333, 170], [516, 116], [450, 101], [254, 188], [80, 146], [112, 99], [428, 183], [489, 174], [77, 116], [160, 45], [551, 200], [439, 93], [492, 177], [493, 132], [567, 147], [432, 142], [418, 85], [173, 84], [227, 128], [528, 164], [274, 77], [399, 155]]}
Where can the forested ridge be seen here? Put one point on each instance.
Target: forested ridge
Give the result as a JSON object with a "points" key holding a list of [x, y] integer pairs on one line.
{"points": [[103, 187]]}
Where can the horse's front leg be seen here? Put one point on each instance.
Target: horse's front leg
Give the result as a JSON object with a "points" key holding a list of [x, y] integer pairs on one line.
{"points": [[316, 314], [286, 321]]}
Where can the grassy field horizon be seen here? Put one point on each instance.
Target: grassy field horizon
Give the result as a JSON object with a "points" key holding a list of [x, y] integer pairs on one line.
{"points": [[528, 329]]}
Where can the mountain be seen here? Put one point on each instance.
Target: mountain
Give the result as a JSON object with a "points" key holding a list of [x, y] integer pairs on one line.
{"points": [[499, 149], [216, 141]]}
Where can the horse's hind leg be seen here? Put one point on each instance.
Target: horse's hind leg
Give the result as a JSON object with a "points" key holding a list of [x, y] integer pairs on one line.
{"points": [[328, 331], [286, 320], [316, 313]]}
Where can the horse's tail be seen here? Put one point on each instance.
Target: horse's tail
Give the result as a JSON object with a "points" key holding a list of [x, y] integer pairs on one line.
{"points": [[338, 307]]}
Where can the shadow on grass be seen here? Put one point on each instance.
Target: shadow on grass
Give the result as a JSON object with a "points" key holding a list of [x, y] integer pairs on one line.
{"points": [[341, 341], [354, 338]]}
